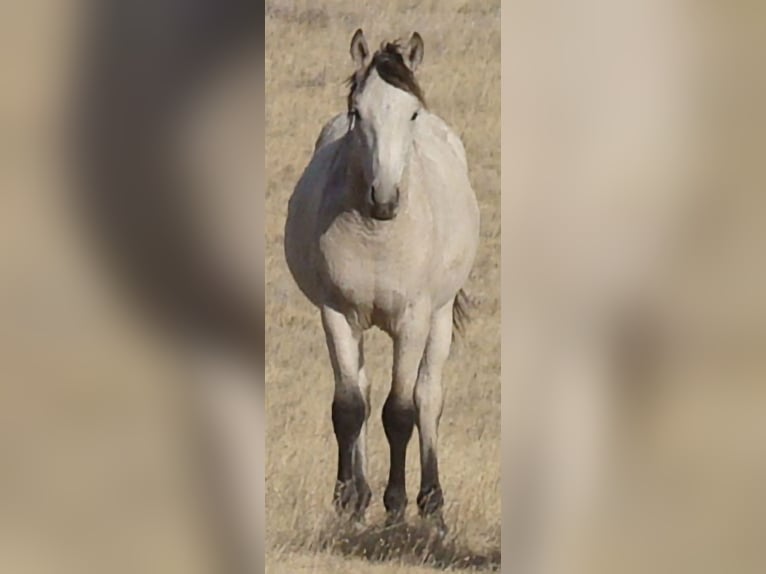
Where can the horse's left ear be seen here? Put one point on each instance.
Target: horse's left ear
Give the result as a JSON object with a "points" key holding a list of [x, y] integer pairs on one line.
{"points": [[414, 53]]}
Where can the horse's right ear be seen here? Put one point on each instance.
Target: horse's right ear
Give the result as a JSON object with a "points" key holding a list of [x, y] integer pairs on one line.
{"points": [[359, 49]]}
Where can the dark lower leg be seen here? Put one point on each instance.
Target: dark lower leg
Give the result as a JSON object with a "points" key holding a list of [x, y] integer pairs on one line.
{"points": [[398, 422], [348, 414], [428, 400], [363, 492], [430, 498]]}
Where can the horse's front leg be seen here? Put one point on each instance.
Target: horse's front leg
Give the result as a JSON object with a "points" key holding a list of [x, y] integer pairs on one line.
{"points": [[399, 408], [350, 408]]}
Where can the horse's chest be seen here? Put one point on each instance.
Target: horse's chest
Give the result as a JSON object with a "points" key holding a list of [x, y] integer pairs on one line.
{"points": [[368, 275]]}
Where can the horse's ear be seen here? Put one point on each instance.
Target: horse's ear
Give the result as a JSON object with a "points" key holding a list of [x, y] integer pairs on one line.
{"points": [[359, 49], [414, 52]]}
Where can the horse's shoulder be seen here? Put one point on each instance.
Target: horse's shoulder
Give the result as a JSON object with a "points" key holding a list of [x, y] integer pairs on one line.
{"points": [[326, 148]]}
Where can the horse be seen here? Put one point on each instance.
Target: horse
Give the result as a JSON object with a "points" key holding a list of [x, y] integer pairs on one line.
{"points": [[382, 231]]}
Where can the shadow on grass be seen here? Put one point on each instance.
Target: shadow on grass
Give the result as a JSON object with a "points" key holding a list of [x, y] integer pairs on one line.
{"points": [[416, 544]]}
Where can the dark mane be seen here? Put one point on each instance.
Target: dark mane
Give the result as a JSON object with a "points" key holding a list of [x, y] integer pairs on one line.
{"points": [[389, 63]]}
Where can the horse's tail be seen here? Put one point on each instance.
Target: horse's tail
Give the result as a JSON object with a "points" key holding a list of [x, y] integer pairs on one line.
{"points": [[460, 315]]}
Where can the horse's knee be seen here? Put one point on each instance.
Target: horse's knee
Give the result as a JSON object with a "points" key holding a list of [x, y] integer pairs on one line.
{"points": [[398, 419], [348, 414]]}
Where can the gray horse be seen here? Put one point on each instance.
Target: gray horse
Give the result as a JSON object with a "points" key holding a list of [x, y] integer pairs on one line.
{"points": [[382, 230]]}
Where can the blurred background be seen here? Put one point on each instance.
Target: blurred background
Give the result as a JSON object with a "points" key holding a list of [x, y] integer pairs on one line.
{"points": [[131, 269], [634, 286]]}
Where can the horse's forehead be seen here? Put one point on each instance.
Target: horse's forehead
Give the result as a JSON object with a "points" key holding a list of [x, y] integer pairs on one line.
{"points": [[379, 94]]}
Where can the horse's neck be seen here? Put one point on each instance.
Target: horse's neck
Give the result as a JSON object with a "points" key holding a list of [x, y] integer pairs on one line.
{"points": [[348, 173], [346, 179]]}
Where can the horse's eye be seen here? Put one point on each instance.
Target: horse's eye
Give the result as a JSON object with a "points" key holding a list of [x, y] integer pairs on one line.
{"points": [[414, 116]]}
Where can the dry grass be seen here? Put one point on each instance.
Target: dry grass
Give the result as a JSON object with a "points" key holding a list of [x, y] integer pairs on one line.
{"points": [[306, 63]]}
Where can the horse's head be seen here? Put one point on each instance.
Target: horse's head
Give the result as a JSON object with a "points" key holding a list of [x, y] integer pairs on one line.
{"points": [[383, 107]]}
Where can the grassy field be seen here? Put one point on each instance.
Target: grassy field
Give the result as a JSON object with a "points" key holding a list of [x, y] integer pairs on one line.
{"points": [[307, 62]]}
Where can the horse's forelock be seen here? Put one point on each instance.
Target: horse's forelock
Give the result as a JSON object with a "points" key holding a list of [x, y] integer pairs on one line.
{"points": [[388, 61]]}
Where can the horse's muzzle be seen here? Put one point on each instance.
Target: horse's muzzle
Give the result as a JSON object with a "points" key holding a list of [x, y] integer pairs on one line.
{"points": [[386, 210]]}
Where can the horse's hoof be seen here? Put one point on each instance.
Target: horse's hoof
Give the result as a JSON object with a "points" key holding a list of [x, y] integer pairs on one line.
{"points": [[362, 499], [358, 515], [430, 501], [344, 496], [357, 523], [394, 518], [437, 524]]}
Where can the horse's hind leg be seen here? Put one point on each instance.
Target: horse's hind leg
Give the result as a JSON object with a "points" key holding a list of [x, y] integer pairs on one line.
{"points": [[349, 411], [360, 450], [399, 409], [428, 405]]}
